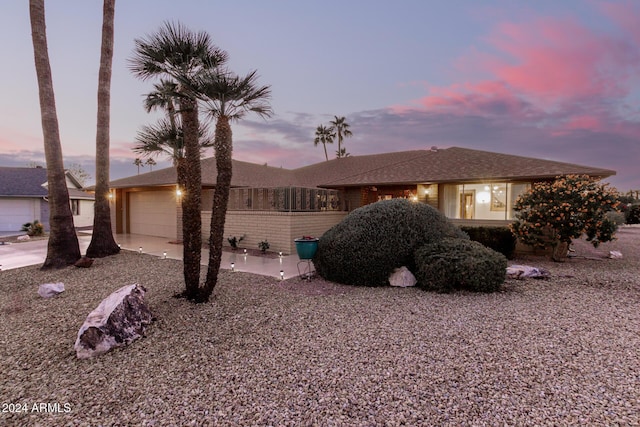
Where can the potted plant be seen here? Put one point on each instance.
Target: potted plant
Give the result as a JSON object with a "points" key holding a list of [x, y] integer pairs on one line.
{"points": [[306, 246]]}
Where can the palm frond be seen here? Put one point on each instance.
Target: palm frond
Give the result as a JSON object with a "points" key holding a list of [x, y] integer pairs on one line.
{"points": [[175, 51]]}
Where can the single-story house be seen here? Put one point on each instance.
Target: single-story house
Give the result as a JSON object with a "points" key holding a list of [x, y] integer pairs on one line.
{"points": [[23, 198], [470, 187]]}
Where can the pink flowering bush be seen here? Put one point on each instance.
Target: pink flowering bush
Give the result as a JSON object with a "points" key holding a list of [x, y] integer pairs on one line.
{"points": [[551, 214]]}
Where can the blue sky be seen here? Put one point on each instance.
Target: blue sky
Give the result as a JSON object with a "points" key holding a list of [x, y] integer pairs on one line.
{"points": [[546, 79]]}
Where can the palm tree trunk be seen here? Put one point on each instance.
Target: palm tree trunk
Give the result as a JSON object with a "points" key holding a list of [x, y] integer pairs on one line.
{"points": [[191, 199], [223, 146], [102, 242], [62, 248], [324, 144]]}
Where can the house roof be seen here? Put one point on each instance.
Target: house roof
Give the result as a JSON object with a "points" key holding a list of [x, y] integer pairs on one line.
{"points": [[405, 167], [460, 164], [32, 182], [245, 174]]}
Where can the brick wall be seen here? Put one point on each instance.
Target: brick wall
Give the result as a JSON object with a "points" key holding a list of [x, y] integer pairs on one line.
{"points": [[278, 228]]}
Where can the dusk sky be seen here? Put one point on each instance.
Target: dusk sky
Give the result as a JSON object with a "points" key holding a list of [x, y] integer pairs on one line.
{"points": [[555, 80]]}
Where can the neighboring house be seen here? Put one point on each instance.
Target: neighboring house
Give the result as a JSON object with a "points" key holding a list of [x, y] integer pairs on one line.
{"points": [[469, 186], [23, 198]]}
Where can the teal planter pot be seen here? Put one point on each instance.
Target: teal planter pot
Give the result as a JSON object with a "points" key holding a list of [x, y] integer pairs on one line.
{"points": [[306, 248]]}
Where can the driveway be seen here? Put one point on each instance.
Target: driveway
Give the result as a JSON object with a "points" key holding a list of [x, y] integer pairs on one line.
{"points": [[15, 255]]}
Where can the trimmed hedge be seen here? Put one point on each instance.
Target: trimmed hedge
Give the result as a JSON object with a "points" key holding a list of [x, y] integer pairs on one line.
{"points": [[500, 239], [632, 215], [456, 264], [365, 247]]}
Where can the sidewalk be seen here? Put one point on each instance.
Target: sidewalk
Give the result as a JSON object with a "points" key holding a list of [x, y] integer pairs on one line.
{"points": [[31, 253]]}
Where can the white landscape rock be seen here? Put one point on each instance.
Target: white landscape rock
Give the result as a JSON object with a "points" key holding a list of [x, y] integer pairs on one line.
{"points": [[119, 319], [402, 277], [522, 271], [23, 238], [615, 254], [48, 290]]}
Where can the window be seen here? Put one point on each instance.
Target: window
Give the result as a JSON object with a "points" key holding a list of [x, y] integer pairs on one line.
{"points": [[490, 200], [75, 207]]}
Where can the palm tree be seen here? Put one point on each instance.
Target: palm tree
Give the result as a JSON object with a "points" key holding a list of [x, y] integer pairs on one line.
{"points": [[324, 136], [179, 54], [228, 98], [151, 163], [341, 129], [102, 242], [138, 162], [166, 138], [62, 248]]}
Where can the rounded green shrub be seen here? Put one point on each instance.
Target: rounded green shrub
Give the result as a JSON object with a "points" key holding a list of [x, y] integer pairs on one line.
{"points": [[456, 264], [365, 247]]}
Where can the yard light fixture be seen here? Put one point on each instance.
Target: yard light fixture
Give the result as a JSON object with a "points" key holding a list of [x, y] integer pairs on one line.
{"points": [[179, 192], [164, 255], [281, 274], [280, 254], [245, 252], [140, 250], [233, 266]]}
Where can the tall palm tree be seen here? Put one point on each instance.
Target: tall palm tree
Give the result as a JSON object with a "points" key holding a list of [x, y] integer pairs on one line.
{"points": [[102, 242], [151, 163], [227, 98], [166, 138], [138, 162], [324, 136], [179, 54], [62, 248], [341, 129]]}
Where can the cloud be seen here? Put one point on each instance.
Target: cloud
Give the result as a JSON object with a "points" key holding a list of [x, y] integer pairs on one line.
{"points": [[547, 88]]}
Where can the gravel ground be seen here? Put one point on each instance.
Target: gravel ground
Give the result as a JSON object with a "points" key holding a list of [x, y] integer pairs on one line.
{"points": [[563, 351]]}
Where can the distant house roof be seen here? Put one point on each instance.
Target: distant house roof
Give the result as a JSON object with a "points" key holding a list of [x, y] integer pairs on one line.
{"points": [[417, 166], [32, 182]]}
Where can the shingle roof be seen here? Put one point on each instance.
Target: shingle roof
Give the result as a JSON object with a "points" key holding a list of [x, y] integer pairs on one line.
{"points": [[405, 167], [31, 182], [245, 174], [23, 182], [461, 164]]}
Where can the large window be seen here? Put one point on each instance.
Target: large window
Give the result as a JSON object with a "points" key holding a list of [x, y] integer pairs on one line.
{"points": [[490, 200]]}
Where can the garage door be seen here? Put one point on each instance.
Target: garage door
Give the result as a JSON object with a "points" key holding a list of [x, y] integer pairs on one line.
{"points": [[15, 212], [153, 213]]}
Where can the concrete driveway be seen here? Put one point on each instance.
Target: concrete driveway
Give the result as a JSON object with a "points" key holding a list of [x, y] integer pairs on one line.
{"points": [[22, 254], [34, 252]]}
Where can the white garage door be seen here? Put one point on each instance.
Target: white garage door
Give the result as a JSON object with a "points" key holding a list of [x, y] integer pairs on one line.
{"points": [[153, 213], [15, 212]]}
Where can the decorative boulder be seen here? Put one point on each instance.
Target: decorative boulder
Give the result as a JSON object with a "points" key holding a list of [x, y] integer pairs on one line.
{"points": [[119, 319], [48, 290], [84, 262], [402, 277], [23, 238], [522, 271], [615, 254]]}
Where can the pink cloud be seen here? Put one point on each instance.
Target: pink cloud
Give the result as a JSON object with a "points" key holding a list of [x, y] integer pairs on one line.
{"points": [[559, 73]]}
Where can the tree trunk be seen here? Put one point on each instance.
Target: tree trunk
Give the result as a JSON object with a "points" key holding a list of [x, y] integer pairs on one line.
{"points": [[560, 251], [191, 199], [102, 241], [223, 147], [62, 248]]}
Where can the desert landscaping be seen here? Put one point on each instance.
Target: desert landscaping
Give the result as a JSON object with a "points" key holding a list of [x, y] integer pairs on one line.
{"points": [[560, 351]]}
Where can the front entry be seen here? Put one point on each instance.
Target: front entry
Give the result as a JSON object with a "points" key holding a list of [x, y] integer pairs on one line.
{"points": [[467, 200]]}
